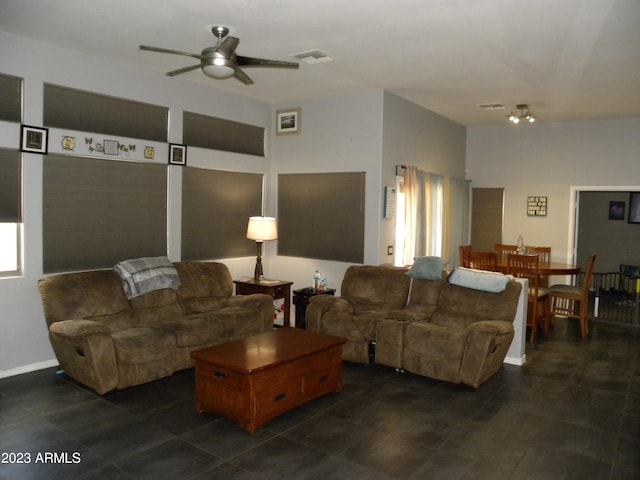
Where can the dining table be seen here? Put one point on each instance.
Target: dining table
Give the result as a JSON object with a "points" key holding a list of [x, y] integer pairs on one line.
{"points": [[547, 268]]}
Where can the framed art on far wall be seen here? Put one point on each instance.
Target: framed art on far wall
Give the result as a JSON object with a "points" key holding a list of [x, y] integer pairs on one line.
{"points": [[616, 210], [177, 154], [288, 122], [34, 139]]}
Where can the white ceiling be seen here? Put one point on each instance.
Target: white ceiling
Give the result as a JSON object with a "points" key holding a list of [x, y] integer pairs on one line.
{"points": [[567, 59]]}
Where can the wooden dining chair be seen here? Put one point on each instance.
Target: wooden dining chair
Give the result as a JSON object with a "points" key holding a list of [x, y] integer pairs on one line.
{"points": [[483, 260], [503, 250], [526, 266], [463, 252], [572, 301], [544, 254]]}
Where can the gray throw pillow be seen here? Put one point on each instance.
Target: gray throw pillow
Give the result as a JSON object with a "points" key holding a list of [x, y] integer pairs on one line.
{"points": [[427, 268]]}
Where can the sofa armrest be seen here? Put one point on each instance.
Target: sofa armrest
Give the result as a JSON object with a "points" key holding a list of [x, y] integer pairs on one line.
{"points": [[491, 327], [260, 302], [486, 346], [319, 305], [329, 302], [84, 349], [78, 328], [253, 300]]}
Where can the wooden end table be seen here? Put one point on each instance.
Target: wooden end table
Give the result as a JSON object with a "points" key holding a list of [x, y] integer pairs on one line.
{"points": [[275, 288], [255, 379]]}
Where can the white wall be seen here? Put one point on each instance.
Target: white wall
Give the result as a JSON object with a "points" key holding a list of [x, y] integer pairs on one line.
{"points": [[548, 160], [341, 133]]}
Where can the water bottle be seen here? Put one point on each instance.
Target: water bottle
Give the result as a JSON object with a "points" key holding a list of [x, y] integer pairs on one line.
{"points": [[317, 278]]}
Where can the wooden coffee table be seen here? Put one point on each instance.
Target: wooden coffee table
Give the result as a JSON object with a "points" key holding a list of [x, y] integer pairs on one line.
{"points": [[255, 379]]}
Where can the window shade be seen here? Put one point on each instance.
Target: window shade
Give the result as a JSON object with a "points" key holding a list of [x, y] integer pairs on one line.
{"points": [[98, 212], [321, 215], [486, 218], [216, 207], [92, 112], [220, 134], [10, 98], [10, 186]]}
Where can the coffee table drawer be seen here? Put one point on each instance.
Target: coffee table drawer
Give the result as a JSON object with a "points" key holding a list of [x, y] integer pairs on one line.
{"points": [[220, 374], [323, 381], [279, 398]]}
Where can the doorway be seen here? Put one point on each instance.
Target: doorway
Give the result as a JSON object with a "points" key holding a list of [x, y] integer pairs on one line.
{"points": [[603, 224]]}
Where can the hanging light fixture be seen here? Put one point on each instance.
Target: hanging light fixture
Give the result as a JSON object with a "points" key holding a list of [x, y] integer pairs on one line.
{"points": [[521, 113]]}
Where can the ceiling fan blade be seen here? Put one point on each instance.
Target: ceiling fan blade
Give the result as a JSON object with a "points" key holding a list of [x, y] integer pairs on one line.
{"points": [[228, 46], [243, 77], [179, 71], [263, 62], [166, 50]]}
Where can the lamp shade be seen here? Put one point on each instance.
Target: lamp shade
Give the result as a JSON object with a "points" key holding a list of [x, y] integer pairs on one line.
{"points": [[261, 229]]}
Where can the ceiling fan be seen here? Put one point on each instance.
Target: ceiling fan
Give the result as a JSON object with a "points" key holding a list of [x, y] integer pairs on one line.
{"points": [[221, 60]]}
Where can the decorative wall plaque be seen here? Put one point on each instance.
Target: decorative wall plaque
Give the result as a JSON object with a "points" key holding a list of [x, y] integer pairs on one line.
{"points": [[537, 206]]}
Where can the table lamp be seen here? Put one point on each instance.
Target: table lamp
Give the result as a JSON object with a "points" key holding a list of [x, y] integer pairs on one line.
{"points": [[261, 229]]}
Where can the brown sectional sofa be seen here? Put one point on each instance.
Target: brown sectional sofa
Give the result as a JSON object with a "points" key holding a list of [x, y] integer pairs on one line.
{"points": [[429, 327], [106, 341]]}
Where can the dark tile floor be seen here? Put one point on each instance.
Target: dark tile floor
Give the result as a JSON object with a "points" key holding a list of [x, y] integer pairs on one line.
{"points": [[573, 412]]}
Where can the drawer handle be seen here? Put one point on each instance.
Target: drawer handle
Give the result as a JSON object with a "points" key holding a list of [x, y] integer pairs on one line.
{"points": [[323, 379], [279, 398], [219, 374]]}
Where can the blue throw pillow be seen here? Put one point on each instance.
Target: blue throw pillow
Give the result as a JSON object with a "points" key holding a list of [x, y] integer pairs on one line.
{"points": [[427, 268]]}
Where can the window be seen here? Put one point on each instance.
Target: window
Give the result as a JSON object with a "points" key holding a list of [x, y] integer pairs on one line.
{"points": [[98, 212], [10, 212], [10, 98], [321, 216], [216, 207]]}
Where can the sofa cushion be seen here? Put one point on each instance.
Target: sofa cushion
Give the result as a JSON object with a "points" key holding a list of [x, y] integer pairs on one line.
{"points": [[94, 295], [375, 289], [156, 307], [194, 330], [458, 306], [204, 286], [427, 268], [143, 344]]}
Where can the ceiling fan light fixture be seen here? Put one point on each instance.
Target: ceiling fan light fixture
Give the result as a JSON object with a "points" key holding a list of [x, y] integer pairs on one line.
{"points": [[219, 69]]}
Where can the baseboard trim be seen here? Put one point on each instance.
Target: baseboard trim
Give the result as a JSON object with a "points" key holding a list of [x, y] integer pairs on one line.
{"points": [[28, 368], [515, 360]]}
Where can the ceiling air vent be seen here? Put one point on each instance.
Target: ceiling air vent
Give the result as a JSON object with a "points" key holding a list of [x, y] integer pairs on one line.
{"points": [[491, 106], [313, 56]]}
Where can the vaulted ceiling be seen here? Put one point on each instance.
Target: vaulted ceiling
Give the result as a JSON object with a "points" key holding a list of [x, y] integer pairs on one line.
{"points": [[567, 59]]}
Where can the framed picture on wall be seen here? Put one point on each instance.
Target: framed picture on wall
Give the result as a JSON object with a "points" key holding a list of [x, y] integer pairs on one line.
{"points": [[616, 210], [634, 207], [288, 122], [33, 139], [177, 154]]}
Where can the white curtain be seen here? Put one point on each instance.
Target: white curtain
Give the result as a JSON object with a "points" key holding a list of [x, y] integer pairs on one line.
{"points": [[436, 215]]}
